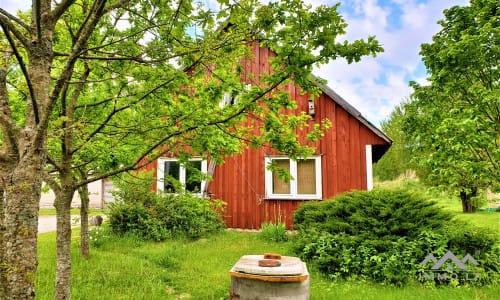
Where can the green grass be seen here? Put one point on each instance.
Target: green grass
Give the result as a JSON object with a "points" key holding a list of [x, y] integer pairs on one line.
{"points": [[479, 218], [449, 203], [74, 211], [126, 268]]}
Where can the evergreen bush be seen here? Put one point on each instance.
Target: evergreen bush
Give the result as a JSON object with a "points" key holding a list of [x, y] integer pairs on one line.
{"points": [[383, 235]]}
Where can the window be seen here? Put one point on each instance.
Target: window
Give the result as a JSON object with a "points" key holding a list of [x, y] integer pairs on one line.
{"points": [[305, 182], [232, 97], [173, 176]]}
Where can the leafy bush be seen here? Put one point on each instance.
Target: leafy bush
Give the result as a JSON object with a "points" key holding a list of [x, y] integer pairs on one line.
{"points": [[161, 216], [275, 232], [481, 243], [383, 235]]}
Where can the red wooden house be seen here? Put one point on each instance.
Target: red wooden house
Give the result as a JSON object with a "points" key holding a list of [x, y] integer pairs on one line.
{"points": [[254, 195]]}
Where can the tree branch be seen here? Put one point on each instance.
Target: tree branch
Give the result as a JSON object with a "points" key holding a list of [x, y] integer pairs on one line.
{"points": [[38, 19], [61, 8], [7, 25], [9, 128], [56, 166], [83, 34], [54, 185], [24, 70], [115, 111], [115, 5], [14, 19]]}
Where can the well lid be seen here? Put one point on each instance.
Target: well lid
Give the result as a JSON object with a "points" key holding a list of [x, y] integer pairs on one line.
{"points": [[289, 266]]}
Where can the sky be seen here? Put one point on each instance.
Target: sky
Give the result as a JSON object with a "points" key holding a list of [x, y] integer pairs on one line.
{"points": [[374, 86]]}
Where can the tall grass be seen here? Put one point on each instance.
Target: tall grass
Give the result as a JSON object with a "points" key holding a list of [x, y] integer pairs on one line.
{"points": [[127, 268]]}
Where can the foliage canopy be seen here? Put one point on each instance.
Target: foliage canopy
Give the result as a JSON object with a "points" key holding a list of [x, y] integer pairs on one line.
{"points": [[453, 124]]}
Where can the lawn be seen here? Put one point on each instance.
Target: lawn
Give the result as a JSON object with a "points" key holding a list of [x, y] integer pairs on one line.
{"points": [[74, 211], [449, 203], [127, 268]]}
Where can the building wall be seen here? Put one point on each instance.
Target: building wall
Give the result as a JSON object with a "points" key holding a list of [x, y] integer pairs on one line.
{"points": [[240, 180], [97, 196]]}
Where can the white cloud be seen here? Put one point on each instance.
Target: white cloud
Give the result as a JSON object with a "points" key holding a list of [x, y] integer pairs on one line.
{"points": [[376, 86]]}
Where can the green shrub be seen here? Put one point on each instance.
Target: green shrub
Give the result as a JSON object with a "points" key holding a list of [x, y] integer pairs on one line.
{"points": [[378, 213], [275, 232], [480, 242], [152, 216], [125, 216], [383, 235]]}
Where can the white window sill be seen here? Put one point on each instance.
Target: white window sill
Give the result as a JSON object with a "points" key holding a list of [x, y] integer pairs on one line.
{"points": [[293, 197]]}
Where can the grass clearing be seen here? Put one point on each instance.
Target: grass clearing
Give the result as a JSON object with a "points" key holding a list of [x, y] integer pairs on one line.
{"points": [[127, 268], [74, 211], [479, 218], [447, 202]]}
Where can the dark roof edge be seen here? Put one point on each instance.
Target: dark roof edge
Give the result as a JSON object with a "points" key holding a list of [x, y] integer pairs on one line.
{"points": [[351, 110]]}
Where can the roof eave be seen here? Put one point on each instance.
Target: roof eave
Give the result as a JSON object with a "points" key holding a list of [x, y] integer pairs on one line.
{"points": [[353, 111]]}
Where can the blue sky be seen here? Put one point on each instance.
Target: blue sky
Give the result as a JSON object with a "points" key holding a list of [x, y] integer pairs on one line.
{"points": [[374, 86]]}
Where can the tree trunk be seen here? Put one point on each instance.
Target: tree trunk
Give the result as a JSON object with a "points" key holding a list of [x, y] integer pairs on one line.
{"points": [[84, 221], [63, 241], [3, 279], [21, 228], [466, 198]]}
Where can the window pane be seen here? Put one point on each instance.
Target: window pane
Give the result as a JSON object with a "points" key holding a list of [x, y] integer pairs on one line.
{"points": [[193, 176], [280, 186], [306, 177], [171, 177]]}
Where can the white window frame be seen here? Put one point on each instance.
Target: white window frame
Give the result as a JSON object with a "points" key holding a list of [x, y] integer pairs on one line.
{"points": [[293, 183], [160, 173]]}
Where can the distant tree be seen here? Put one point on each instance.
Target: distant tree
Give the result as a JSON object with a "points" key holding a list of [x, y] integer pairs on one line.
{"points": [[89, 89], [453, 123], [397, 159]]}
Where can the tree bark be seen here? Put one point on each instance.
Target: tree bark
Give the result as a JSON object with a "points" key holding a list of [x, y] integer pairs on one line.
{"points": [[63, 240], [3, 279], [466, 198], [84, 221], [23, 158], [21, 228]]}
